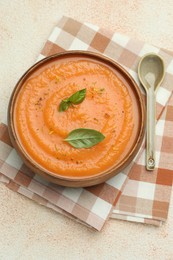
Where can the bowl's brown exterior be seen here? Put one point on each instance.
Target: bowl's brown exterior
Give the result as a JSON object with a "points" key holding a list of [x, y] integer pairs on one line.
{"points": [[69, 181]]}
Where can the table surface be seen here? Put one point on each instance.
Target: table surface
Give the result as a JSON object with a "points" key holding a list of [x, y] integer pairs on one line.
{"points": [[28, 230]]}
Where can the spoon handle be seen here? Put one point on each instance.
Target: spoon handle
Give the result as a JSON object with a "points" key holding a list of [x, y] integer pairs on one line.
{"points": [[151, 117]]}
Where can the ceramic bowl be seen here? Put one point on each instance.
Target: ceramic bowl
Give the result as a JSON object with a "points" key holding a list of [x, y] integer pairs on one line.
{"points": [[102, 176]]}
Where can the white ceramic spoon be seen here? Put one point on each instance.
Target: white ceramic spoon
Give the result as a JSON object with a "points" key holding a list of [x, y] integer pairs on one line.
{"points": [[151, 73]]}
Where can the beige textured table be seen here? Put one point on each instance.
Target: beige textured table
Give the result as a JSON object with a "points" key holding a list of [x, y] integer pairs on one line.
{"points": [[30, 231]]}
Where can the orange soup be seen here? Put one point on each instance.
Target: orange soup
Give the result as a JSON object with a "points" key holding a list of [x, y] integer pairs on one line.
{"points": [[109, 107]]}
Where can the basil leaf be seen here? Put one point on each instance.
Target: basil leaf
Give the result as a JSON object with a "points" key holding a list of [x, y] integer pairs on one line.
{"points": [[84, 138], [64, 105], [75, 99], [78, 97]]}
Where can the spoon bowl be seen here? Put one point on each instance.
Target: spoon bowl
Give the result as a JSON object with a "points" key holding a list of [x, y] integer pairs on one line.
{"points": [[151, 73]]}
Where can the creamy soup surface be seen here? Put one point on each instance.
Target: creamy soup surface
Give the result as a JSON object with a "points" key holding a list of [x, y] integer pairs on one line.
{"points": [[109, 107]]}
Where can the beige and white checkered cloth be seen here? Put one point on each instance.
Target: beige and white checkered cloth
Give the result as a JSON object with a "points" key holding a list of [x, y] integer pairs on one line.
{"points": [[134, 194]]}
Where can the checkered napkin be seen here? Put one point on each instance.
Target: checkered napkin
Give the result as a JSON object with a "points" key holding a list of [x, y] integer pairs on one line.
{"points": [[134, 194]]}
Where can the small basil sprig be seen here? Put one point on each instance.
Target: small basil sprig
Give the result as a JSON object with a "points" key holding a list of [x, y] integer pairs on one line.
{"points": [[74, 99], [84, 138]]}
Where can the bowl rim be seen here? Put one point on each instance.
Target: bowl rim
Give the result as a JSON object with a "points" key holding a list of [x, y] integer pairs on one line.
{"points": [[55, 177]]}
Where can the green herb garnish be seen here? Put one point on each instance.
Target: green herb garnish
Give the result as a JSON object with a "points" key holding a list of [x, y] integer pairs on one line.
{"points": [[84, 138], [74, 99], [64, 105]]}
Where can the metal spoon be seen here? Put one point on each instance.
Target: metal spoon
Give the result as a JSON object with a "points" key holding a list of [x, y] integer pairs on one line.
{"points": [[151, 73]]}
